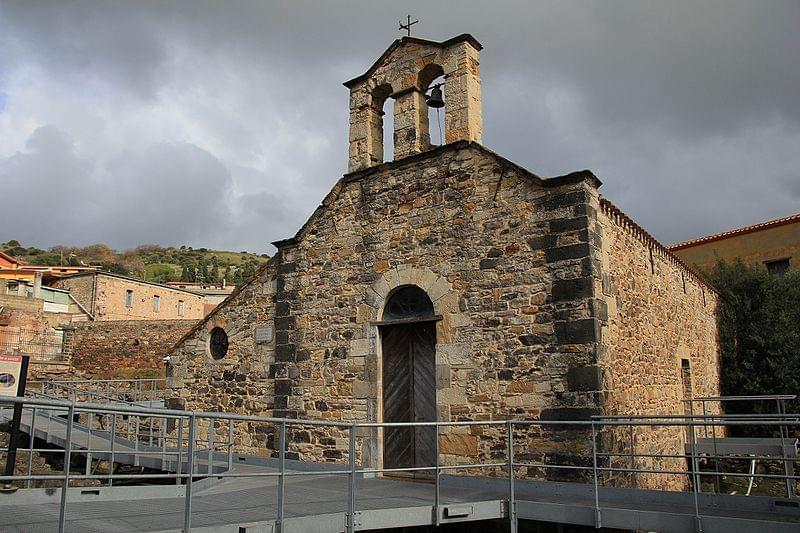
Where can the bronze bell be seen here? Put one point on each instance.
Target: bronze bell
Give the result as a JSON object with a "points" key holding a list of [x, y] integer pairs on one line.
{"points": [[435, 99]]}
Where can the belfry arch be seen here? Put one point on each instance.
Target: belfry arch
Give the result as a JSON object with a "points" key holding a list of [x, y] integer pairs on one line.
{"points": [[408, 66]]}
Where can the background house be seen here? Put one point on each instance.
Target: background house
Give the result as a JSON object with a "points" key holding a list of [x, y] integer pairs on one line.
{"points": [[774, 245], [114, 297]]}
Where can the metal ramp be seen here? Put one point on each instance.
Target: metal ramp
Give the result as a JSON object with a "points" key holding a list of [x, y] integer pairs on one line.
{"points": [[211, 488], [317, 503], [104, 444]]}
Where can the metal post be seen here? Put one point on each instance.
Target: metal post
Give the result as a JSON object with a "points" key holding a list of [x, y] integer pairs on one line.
{"points": [[281, 471], [152, 392], [89, 422], [187, 508], [512, 507], [436, 487], [163, 432], [598, 521], [230, 445], [211, 432], [695, 478], [113, 440], [788, 466], [717, 487], [136, 442], [705, 426], [49, 422], [62, 512], [179, 456], [632, 455], [351, 482], [31, 441]]}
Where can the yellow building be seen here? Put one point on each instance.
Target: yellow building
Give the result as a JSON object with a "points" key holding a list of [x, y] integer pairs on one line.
{"points": [[775, 244], [12, 268]]}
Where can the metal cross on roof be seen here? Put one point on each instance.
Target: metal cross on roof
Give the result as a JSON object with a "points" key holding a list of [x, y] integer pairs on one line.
{"points": [[407, 25]]}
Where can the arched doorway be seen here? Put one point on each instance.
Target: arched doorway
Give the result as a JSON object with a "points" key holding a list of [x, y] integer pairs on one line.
{"points": [[408, 343]]}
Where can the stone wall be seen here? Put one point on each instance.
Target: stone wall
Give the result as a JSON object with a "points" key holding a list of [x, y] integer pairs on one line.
{"points": [[656, 314], [82, 288], [485, 239], [125, 348]]}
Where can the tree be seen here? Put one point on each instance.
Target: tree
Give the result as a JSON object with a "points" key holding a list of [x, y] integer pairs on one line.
{"points": [[203, 274], [114, 268], [160, 272], [186, 274], [759, 333]]}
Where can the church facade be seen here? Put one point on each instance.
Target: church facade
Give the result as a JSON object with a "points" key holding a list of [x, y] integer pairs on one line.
{"points": [[451, 284]]}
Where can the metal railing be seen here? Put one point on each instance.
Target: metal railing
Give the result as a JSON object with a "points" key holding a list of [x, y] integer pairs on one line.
{"points": [[40, 345], [103, 390], [190, 443]]}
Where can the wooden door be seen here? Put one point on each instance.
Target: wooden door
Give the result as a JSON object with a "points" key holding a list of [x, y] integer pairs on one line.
{"points": [[409, 393]]}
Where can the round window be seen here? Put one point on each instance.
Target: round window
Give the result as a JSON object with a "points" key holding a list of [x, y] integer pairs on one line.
{"points": [[218, 344]]}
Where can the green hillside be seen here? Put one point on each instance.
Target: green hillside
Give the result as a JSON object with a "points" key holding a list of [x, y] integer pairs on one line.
{"points": [[149, 261]]}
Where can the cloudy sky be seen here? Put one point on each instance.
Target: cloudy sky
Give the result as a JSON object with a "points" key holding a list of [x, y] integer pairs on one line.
{"points": [[223, 124]]}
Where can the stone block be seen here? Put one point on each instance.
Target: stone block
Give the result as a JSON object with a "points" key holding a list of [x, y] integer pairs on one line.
{"points": [[542, 242], [442, 376], [453, 354], [439, 289], [563, 225], [584, 378], [363, 389], [599, 309], [581, 331], [487, 263], [360, 347], [572, 289], [566, 200], [451, 396], [562, 253], [458, 444], [520, 386]]}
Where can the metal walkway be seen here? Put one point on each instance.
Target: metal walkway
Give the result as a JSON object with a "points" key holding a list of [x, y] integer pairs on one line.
{"points": [[211, 488], [318, 503]]}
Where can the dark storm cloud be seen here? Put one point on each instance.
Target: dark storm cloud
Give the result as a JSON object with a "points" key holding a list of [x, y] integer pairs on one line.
{"points": [[225, 124], [55, 195]]}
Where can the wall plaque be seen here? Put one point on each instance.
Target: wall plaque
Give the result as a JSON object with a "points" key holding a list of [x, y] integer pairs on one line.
{"points": [[264, 334]]}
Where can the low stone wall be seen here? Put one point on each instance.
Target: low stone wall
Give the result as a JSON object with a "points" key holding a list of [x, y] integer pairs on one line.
{"points": [[125, 348]]}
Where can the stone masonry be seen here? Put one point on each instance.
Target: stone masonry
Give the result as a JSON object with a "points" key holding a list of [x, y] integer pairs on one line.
{"points": [[125, 348], [551, 305], [104, 295], [404, 73]]}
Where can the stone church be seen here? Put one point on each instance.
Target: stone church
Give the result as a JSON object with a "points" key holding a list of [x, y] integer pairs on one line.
{"points": [[451, 284]]}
